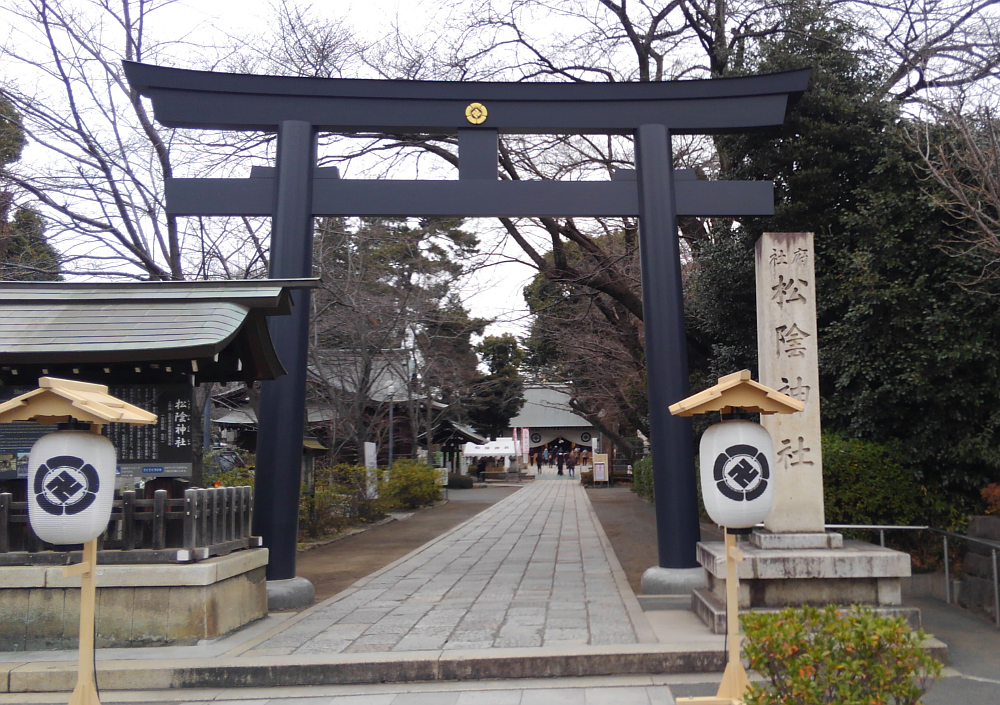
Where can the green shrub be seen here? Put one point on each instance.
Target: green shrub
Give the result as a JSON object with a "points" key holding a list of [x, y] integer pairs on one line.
{"points": [[865, 483], [339, 499], [319, 513], [460, 482], [412, 484], [587, 477], [642, 482], [237, 477], [847, 656]]}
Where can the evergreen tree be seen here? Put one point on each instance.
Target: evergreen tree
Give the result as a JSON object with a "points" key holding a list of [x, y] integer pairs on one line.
{"points": [[905, 353], [25, 254], [498, 395], [387, 328]]}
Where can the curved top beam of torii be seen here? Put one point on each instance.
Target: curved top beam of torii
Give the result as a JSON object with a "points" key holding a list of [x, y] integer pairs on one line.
{"points": [[225, 101]]}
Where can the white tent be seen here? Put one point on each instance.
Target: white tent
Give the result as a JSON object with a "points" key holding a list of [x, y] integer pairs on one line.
{"points": [[502, 447]]}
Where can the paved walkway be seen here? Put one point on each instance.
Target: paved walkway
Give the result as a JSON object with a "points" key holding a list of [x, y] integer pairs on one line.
{"points": [[533, 570]]}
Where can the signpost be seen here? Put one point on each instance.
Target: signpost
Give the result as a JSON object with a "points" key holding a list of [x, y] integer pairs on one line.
{"points": [[162, 449], [788, 354], [601, 468], [371, 469]]}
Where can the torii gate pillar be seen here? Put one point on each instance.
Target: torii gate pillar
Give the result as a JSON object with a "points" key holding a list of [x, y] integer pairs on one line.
{"points": [[666, 364]]}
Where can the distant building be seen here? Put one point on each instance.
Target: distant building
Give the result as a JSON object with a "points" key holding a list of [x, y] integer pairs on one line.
{"points": [[547, 416]]}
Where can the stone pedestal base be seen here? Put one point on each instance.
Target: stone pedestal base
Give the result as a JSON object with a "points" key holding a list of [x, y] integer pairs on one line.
{"points": [[137, 605], [856, 573], [762, 538], [712, 611]]}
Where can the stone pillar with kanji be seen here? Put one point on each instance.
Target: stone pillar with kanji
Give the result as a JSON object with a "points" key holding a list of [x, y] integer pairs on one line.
{"points": [[792, 560], [788, 360]]}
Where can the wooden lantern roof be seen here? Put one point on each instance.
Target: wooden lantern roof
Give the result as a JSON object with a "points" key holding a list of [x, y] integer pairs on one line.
{"points": [[59, 400], [738, 391]]}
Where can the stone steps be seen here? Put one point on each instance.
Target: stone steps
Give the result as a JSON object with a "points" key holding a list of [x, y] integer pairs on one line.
{"points": [[366, 668]]}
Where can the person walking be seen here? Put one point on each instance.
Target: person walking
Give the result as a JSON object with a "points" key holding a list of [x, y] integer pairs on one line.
{"points": [[571, 464], [546, 458], [559, 461], [538, 462]]}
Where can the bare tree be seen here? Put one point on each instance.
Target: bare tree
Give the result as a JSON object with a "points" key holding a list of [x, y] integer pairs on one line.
{"points": [[587, 340], [302, 41], [960, 151], [98, 159], [921, 47], [100, 184]]}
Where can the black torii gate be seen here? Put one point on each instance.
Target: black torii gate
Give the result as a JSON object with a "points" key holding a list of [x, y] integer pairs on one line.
{"points": [[296, 190]]}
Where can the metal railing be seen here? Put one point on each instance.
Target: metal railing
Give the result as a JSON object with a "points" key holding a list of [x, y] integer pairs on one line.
{"points": [[201, 524], [945, 535]]}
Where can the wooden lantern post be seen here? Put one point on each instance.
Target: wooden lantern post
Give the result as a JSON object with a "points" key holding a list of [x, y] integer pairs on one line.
{"points": [[61, 401], [85, 692], [735, 391]]}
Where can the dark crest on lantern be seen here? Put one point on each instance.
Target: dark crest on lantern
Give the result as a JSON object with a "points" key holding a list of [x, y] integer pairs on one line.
{"points": [[65, 484], [741, 473]]}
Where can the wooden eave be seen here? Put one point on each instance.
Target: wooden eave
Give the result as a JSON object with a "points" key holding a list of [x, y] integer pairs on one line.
{"points": [[58, 400], [738, 391]]}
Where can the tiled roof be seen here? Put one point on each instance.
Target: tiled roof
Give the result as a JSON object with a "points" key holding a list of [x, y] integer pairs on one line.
{"points": [[72, 323]]}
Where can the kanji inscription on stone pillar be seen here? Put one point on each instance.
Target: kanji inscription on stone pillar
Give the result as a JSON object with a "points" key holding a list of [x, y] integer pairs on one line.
{"points": [[788, 359]]}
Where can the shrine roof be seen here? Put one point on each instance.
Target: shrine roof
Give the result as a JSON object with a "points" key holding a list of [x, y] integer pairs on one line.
{"points": [[547, 407], [214, 330]]}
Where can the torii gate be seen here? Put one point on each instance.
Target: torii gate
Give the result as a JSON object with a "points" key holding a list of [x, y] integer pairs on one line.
{"points": [[296, 190]]}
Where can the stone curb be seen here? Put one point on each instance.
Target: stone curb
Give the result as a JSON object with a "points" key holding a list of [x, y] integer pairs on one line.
{"points": [[346, 533], [368, 668]]}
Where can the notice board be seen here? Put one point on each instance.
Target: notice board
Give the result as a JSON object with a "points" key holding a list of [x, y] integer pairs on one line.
{"points": [[160, 449]]}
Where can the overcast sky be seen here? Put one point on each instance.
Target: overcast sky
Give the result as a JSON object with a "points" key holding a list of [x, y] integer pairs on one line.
{"points": [[492, 293]]}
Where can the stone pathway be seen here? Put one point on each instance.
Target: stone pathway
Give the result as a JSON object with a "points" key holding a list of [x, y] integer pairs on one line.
{"points": [[548, 694], [530, 571]]}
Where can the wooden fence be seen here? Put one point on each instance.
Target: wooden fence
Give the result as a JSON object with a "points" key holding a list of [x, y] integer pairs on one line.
{"points": [[201, 524]]}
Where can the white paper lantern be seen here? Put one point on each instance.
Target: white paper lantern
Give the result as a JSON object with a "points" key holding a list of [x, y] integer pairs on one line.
{"points": [[71, 485], [736, 483]]}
